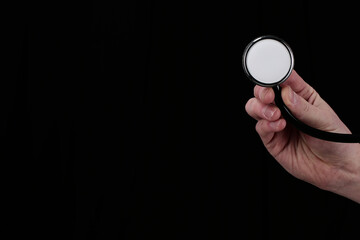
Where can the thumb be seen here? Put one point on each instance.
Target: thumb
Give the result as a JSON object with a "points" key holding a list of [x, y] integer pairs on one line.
{"points": [[305, 111]]}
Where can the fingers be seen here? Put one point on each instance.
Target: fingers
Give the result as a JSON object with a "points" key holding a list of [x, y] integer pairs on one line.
{"points": [[262, 107], [265, 95], [267, 129], [258, 110]]}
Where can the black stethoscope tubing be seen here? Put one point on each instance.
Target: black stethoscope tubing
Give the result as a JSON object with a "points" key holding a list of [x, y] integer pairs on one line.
{"points": [[328, 136]]}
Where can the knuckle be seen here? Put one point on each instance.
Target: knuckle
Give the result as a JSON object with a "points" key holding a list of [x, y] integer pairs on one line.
{"points": [[306, 108], [303, 111]]}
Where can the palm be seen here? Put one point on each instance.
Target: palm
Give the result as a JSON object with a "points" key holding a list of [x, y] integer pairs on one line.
{"points": [[305, 157]]}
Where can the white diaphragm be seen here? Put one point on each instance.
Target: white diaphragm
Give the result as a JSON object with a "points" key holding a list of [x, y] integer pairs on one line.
{"points": [[268, 61]]}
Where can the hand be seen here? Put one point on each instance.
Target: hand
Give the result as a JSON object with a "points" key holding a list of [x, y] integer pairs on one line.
{"points": [[328, 165]]}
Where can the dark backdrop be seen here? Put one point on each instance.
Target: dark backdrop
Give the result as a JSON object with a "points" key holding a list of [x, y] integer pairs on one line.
{"points": [[125, 119]]}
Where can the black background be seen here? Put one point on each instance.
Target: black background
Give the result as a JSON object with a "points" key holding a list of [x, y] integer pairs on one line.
{"points": [[125, 119]]}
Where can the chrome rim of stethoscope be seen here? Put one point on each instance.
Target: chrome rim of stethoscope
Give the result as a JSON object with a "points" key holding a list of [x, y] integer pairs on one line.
{"points": [[259, 81]]}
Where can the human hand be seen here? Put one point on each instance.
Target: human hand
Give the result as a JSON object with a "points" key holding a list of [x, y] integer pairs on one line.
{"points": [[328, 165]]}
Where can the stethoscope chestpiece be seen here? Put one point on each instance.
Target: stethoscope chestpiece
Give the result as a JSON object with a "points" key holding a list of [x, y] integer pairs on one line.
{"points": [[268, 61]]}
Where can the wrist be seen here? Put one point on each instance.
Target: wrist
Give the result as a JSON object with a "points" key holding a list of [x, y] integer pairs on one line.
{"points": [[350, 179], [351, 191]]}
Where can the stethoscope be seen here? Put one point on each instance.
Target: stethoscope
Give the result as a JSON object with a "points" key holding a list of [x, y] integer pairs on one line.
{"points": [[268, 61]]}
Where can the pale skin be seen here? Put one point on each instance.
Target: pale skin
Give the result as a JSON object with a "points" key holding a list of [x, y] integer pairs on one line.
{"points": [[330, 166]]}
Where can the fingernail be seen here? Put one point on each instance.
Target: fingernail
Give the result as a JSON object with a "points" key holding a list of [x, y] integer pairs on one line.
{"points": [[274, 125], [269, 112]]}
